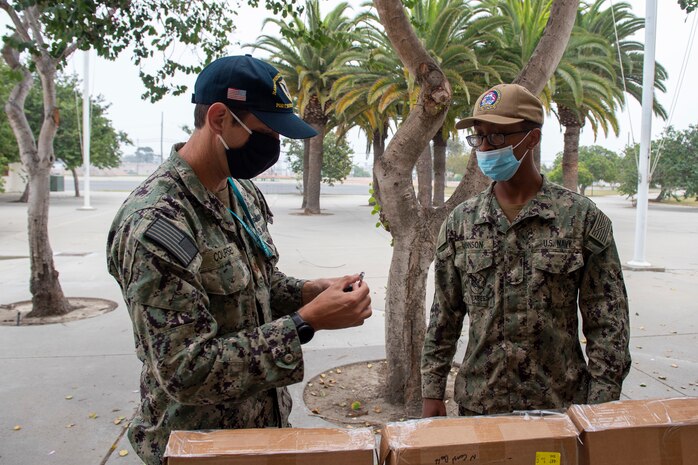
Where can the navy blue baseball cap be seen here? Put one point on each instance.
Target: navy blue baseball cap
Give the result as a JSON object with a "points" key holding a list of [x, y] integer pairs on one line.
{"points": [[246, 83]]}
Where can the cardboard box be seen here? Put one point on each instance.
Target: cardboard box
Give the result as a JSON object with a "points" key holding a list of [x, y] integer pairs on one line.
{"points": [[492, 440], [272, 446], [638, 432]]}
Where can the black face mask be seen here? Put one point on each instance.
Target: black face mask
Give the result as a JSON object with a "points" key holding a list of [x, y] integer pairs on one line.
{"points": [[259, 153]]}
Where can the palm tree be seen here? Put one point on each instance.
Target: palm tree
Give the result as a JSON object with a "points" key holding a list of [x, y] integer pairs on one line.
{"points": [[305, 54], [374, 77], [584, 91], [454, 32], [606, 76], [372, 88]]}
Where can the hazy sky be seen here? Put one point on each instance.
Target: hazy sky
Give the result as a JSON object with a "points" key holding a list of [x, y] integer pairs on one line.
{"points": [[118, 82]]}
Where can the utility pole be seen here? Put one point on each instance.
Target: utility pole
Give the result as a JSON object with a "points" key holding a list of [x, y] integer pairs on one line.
{"points": [[86, 125]]}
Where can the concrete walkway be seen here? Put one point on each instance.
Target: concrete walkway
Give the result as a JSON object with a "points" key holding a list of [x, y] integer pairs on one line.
{"points": [[93, 360]]}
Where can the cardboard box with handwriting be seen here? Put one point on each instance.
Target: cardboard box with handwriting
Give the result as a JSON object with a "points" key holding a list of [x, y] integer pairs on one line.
{"points": [[272, 446], [638, 432], [492, 440]]}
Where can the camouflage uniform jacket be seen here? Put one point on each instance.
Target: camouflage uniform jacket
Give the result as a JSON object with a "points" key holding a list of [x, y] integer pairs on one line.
{"points": [[209, 310], [521, 285]]}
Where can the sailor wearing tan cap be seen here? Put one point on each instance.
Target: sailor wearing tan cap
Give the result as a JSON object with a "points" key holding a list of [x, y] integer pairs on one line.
{"points": [[521, 259]]}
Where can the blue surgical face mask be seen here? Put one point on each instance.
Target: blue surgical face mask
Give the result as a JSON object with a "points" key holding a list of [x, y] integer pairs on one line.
{"points": [[500, 164]]}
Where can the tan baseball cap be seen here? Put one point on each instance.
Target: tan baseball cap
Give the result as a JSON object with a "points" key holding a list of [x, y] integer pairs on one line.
{"points": [[505, 104]]}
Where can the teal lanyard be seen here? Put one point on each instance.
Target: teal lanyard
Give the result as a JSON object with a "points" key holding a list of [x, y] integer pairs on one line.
{"points": [[251, 230]]}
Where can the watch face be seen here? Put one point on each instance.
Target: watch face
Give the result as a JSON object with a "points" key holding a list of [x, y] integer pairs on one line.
{"points": [[304, 330], [305, 333]]}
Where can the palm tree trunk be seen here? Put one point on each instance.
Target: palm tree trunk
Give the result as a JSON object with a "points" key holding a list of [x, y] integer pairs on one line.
{"points": [[75, 182], [378, 149], [312, 207], [306, 169], [424, 177], [439, 169], [570, 157]]}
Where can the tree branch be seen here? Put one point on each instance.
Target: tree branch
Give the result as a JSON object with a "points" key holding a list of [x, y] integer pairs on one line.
{"points": [[20, 27], [69, 50], [551, 46], [33, 19], [402, 35], [394, 169]]}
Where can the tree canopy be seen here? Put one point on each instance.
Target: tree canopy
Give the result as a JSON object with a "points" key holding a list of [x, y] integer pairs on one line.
{"points": [[675, 172], [596, 164], [688, 5], [105, 140], [336, 160]]}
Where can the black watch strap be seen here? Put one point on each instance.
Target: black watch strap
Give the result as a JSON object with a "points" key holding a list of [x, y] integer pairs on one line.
{"points": [[304, 330]]}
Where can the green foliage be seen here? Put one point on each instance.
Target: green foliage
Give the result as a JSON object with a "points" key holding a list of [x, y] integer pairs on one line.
{"points": [[676, 172], [105, 141], [336, 159], [382, 222], [307, 52], [457, 155], [596, 164], [688, 5], [152, 30], [360, 172]]}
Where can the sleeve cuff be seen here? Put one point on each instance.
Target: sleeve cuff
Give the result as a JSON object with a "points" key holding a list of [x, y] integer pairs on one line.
{"points": [[286, 349], [433, 387]]}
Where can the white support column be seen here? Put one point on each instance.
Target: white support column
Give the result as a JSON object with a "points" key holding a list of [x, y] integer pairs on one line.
{"points": [[86, 125], [643, 184]]}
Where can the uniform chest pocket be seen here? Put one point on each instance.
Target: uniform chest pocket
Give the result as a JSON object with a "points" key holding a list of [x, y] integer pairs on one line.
{"points": [[478, 278], [232, 276], [554, 279]]}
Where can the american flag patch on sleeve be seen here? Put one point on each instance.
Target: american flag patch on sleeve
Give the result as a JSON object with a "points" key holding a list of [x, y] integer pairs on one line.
{"points": [[237, 94], [173, 240]]}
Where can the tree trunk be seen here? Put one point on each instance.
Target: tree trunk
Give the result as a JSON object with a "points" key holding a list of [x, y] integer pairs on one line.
{"points": [[47, 294], [536, 156], [24, 198], [424, 177], [394, 174], [439, 169], [312, 206], [37, 158], [405, 304], [306, 168], [75, 182], [570, 157], [378, 149]]}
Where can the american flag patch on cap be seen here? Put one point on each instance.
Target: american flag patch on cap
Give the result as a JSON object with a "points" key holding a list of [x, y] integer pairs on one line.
{"points": [[237, 94]]}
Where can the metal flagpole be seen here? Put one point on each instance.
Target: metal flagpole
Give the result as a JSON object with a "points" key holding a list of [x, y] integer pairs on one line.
{"points": [[86, 130], [643, 184]]}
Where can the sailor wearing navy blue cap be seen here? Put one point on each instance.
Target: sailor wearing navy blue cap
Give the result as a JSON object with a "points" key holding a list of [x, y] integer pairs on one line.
{"points": [[217, 326]]}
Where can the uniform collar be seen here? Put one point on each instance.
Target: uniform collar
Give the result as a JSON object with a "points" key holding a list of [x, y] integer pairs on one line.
{"points": [[488, 210], [193, 184]]}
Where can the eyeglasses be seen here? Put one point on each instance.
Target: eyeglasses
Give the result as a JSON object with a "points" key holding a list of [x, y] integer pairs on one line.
{"points": [[476, 140]]}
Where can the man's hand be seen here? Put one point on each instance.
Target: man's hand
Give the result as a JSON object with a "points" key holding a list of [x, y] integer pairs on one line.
{"points": [[335, 309], [313, 288], [433, 408]]}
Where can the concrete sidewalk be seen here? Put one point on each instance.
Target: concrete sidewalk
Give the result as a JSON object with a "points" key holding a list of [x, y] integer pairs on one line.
{"points": [[93, 360]]}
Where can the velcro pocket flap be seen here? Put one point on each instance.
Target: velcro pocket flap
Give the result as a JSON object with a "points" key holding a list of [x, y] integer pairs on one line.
{"points": [[558, 262]]}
